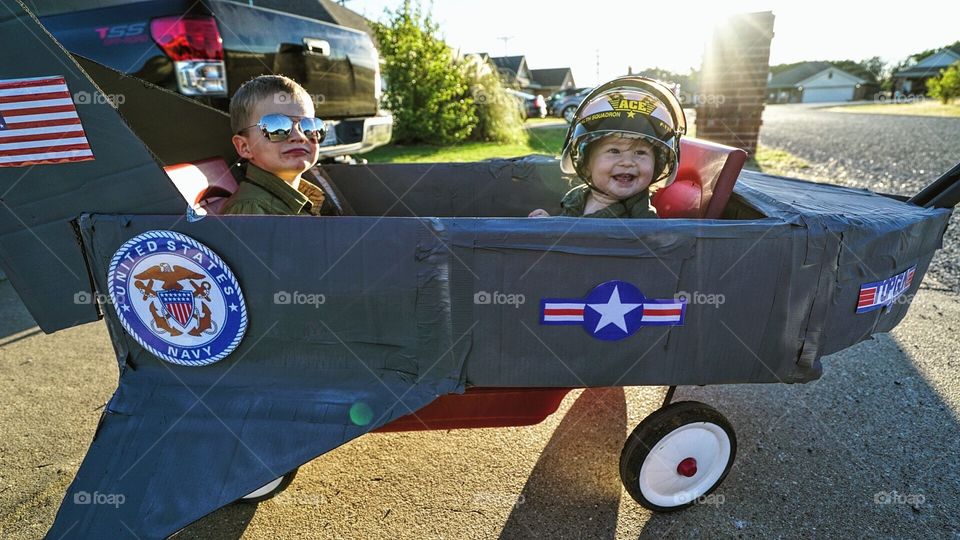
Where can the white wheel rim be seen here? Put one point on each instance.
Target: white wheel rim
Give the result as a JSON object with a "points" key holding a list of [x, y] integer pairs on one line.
{"points": [[264, 490], [662, 485]]}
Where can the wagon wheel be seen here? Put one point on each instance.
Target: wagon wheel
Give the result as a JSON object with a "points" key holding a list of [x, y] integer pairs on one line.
{"points": [[270, 489], [677, 455], [569, 113]]}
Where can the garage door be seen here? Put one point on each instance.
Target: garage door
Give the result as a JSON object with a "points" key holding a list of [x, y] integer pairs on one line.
{"points": [[819, 95]]}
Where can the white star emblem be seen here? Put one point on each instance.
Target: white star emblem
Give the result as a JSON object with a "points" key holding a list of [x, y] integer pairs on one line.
{"points": [[613, 311], [233, 307]]}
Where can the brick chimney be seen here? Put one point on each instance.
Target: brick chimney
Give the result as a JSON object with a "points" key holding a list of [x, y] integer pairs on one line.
{"points": [[734, 74]]}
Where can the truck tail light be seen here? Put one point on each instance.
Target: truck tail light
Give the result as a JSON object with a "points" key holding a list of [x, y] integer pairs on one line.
{"points": [[195, 46]]}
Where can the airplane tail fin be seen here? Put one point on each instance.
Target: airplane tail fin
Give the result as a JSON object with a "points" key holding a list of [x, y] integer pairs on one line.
{"points": [[65, 150]]}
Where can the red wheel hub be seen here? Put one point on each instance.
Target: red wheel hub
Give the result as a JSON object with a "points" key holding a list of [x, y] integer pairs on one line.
{"points": [[687, 467]]}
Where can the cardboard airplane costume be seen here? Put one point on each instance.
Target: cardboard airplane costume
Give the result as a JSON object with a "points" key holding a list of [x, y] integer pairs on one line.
{"points": [[249, 345]]}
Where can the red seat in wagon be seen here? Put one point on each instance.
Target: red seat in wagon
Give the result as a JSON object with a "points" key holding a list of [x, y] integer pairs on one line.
{"points": [[705, 178], [204, 184]]}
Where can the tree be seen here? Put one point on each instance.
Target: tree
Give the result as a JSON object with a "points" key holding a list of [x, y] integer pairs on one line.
{"points": [[427, 91], [920, 56], [946, 86]]}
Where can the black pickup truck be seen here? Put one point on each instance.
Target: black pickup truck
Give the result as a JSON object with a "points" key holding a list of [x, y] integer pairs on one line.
{"points": [[207, 49]]}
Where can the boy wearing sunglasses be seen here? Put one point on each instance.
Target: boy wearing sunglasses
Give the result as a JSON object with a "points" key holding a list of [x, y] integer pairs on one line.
{"points": [[276, 133]]}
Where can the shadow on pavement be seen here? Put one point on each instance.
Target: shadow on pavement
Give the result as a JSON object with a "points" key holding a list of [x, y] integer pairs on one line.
{"points": [[576, 479], [227, 523], [869, 450], [16, 323]]}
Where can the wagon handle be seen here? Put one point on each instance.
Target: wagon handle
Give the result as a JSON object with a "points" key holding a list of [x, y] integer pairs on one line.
{"points": [[944, 192]]}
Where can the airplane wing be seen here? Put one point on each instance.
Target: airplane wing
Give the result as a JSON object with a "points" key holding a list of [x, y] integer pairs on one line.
{"points": [[330, 352]]}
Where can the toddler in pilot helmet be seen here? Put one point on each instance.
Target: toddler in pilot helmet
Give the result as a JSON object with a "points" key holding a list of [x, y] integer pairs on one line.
{"points": [[626, 136]]}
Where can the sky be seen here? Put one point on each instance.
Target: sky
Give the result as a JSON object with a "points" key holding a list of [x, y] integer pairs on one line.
{"points": [[655, 34]]}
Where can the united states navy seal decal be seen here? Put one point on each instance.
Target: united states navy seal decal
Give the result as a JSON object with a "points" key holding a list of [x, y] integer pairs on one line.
{"points": [[177, 298]]}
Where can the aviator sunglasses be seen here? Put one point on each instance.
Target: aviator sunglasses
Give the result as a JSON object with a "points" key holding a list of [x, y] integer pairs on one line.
{"points": [[277, 127]]}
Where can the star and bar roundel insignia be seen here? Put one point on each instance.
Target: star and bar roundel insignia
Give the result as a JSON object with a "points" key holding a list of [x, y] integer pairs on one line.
{"points": [[612, 310], [177, 298]]}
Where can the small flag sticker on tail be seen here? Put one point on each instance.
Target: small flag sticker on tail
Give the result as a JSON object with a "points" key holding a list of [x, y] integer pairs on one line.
{"points": [[878, 294], [39, 123]]}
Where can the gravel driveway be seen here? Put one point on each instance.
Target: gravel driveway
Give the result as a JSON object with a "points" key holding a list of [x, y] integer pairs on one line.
{"points": [[883, 153]]}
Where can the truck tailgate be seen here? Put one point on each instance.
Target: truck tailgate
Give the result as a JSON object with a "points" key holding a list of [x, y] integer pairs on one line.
{"points": [[337, 65]]}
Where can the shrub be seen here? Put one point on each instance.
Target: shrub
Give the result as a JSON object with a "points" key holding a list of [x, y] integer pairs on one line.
{"points": [[499, 116], [425, 87], [946, 86]]}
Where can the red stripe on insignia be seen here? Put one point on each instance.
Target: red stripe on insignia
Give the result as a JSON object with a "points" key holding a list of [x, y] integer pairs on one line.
{"points": [[661, 312], [553, 311]]}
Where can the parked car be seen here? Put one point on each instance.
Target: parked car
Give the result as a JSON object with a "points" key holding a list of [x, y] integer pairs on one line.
{"points": [[567, 107], [559, 95], [531, 106], [206, 50]]}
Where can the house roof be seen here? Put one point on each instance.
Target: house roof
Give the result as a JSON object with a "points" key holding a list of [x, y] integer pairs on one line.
{"points": [[346, 17], [551, 77], [513, 63], [792, 76], [928, 68]]}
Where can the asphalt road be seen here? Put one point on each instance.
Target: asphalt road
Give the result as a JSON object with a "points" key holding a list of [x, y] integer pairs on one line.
{"points": [[884, 153], [870, 450]]}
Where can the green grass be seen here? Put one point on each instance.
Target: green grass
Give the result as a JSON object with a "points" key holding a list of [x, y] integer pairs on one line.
{"points": [[546, 140], [775, 161], [541, 121], [919, 108], [549, 141]]}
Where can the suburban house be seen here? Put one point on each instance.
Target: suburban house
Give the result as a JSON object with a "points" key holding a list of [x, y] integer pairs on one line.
{"points": [[515, 74], [814, 82], [513, 70], [547, 81], [913, 79]]}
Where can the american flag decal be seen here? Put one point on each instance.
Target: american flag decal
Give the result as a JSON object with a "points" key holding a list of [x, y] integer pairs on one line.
{"points": [[39, 123], [877, 294]]}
